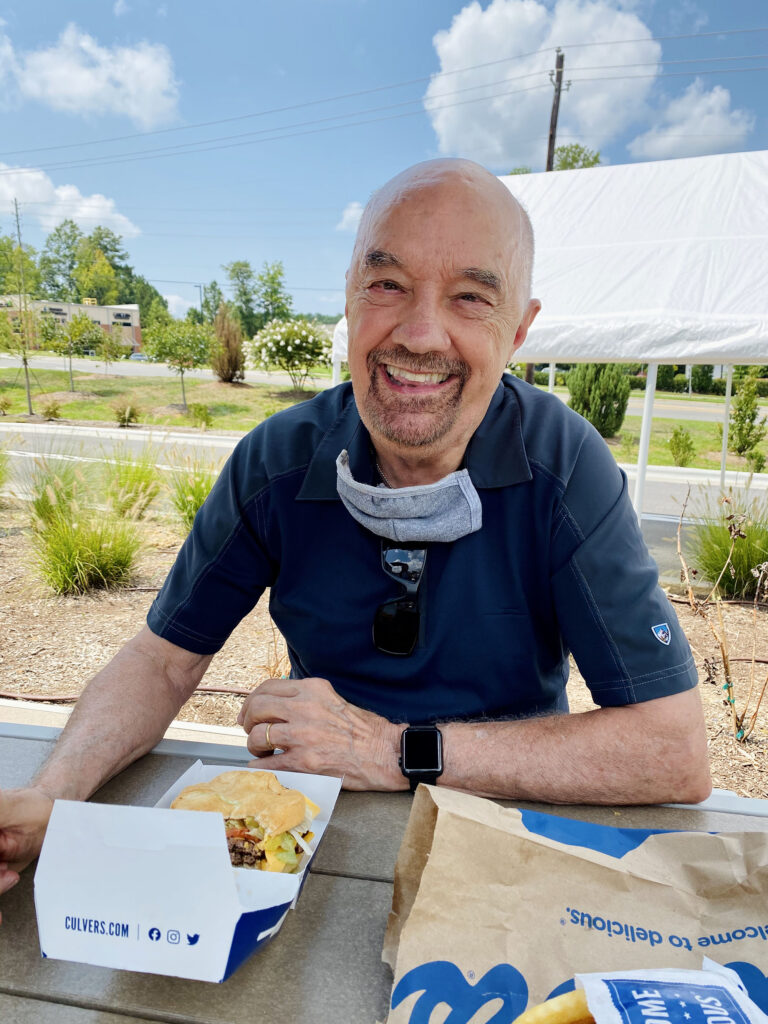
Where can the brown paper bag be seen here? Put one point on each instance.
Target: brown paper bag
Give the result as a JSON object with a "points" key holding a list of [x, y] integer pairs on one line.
{"points": [[495, 909]]}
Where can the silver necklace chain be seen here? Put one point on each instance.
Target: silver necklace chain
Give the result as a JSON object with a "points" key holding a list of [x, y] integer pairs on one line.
{"points": [[384, 480]]}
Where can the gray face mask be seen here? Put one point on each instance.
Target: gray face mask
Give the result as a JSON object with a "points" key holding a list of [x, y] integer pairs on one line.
{"points": [[443, 511]]}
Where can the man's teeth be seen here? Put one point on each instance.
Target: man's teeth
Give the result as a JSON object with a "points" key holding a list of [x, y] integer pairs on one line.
{"points": [[416, 378]]}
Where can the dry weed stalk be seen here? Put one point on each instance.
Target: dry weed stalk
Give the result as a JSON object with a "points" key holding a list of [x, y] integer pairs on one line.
{"points": [[277, 665], [702, 608]]}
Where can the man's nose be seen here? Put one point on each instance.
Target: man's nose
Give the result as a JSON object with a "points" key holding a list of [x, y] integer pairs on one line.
{"points": [[421, 327]]}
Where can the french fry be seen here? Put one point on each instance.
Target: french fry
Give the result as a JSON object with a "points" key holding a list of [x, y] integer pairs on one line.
{"points": [[569, 1008]]}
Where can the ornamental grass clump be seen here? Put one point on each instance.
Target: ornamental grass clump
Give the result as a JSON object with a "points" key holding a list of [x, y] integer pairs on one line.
{"points": [[293, 346], [729, 539], [132, 483], [83, 550], [51, 485], [189, 485]]}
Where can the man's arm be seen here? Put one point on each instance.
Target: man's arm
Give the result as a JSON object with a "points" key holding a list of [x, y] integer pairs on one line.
{"points": [[123, 712], [652, 752]]}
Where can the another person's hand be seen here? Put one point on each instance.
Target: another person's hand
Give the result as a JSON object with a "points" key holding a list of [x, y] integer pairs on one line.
{"points": [[317, 731], [24, 815]]}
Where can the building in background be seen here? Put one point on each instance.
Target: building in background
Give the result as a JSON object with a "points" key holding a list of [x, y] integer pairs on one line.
{"points": [[126, 317]]}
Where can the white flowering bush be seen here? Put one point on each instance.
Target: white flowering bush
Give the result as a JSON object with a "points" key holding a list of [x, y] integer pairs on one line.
{"points": [[293, 346]]}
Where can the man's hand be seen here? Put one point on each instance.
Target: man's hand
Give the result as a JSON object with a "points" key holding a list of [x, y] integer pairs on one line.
{"points": [[319, 732], [24, 815]]}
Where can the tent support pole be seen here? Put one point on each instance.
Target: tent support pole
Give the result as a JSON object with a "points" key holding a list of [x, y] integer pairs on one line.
{"points": [[645, 438], [336, 375], [726, 418], [551, 387]]}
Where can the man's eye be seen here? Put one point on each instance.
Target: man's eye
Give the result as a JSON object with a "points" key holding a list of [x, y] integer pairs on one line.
{"points": [[471, 297]]}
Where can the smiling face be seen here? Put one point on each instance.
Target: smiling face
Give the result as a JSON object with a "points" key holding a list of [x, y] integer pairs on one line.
{"points": [[436, 305]]}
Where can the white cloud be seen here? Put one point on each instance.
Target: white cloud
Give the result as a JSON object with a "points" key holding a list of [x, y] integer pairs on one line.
{"points": [[700, 121], [350, 218], [79, 76], [505, 131], [177, 306], [120, 8], [50, 204]]}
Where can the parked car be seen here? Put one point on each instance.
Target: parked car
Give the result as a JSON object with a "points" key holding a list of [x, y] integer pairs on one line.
{"points": [[138, 356]]}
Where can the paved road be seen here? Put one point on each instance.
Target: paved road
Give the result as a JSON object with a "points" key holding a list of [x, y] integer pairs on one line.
{"points": [[663, 408]]}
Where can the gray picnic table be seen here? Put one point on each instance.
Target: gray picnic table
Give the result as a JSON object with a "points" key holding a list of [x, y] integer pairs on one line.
{"points": [[324, 965]]}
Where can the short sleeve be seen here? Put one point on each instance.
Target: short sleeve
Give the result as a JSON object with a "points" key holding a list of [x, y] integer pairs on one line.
{"points": [[223, 566], [614, 617]]}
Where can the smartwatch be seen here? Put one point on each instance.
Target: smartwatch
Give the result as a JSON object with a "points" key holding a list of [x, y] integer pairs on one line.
{"points": [[421, 754]]}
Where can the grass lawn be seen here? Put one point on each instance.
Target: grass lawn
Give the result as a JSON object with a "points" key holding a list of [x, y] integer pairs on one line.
{"points": [[706, 437], [232, 406]]}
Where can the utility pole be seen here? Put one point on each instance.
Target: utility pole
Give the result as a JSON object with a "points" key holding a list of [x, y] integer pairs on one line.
{"points": [[23, 310], [557, 81], [556, 78]]}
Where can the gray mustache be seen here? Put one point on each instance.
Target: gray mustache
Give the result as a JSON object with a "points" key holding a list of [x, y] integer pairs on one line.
{"points": [[428, 363]]}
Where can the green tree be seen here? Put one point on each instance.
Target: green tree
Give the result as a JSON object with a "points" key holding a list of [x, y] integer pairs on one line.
{"points": [[180, 344], [599, 392], [212, 300], [110, 245], [111, 346], [194, 315], [158, 315], [83, 335], [574, 156], [135, 288], [17, 336], [243, 282], [521, 170], [95, 276], [19, 273], [273, 301], [745, 431], [227, 359], [52, 336], [58, 260]]}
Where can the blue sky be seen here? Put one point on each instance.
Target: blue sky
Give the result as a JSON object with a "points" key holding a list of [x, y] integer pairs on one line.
{"points": [[344, 94]]}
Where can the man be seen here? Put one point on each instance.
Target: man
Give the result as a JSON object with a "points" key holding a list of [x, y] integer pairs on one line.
{"points": [[435, 541]]}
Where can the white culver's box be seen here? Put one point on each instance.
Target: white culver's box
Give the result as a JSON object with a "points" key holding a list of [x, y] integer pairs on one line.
{"points": [[150, 889]]}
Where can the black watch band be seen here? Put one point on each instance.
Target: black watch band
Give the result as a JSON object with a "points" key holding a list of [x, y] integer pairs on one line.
{"points": [[421, 754]]}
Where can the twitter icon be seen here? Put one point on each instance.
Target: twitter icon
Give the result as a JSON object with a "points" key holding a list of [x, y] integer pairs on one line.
{"points": [[192, 939]]}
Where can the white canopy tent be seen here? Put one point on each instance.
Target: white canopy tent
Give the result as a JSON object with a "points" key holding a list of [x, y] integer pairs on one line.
{"points": [[661, 262]]}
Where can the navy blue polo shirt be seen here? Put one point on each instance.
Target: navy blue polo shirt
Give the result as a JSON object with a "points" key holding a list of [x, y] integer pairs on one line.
{"points": [[558, 565]]}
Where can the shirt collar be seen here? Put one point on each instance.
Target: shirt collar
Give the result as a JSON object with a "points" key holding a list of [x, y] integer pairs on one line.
{"points": [[495, 455]]}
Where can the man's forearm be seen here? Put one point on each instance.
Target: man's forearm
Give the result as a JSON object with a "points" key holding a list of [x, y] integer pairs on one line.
{"points": [[644, 753], [123, 712]]}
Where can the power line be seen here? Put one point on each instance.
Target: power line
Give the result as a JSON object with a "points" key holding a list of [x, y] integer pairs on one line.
{"points": [[184, 149], [393, 85]]}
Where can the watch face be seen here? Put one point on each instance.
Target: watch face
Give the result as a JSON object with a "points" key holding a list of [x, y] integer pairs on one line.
{"points": [[421, 750]]}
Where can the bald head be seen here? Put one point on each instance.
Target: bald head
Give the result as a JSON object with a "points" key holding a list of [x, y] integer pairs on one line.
{"points": [[466, 184]]}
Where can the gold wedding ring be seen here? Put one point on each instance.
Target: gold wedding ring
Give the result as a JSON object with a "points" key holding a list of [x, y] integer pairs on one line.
{"points": [[267, 740]]}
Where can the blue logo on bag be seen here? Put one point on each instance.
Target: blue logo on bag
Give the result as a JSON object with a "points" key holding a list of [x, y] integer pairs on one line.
{"points": [[754, 981], [442, 982], [662, 632]]}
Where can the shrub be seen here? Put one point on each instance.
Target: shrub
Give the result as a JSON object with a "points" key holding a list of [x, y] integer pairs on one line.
{"points": [[755, 461], [633, 369], [560, 379], [200, 415], [681, 446], [718, 386], [189, 486], [293, 346], [52, 409], [710, 542], [761, 386], [84, 551], [745, 432], [541, 377], [227, 359], [680, 383], [636, 383], [126, 413], [131, 484], [5, 404], [701, 379], [665, 378], [600, 392]]}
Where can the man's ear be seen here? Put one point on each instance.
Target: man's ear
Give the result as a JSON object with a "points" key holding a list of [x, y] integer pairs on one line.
{"points": [[530, 314]]}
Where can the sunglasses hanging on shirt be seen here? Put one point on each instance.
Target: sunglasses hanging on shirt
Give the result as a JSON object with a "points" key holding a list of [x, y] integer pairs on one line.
{"points": [[396, 622]]}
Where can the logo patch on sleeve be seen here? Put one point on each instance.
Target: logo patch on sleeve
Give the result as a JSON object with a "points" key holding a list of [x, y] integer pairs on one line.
{"points": [[662, 632]]}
